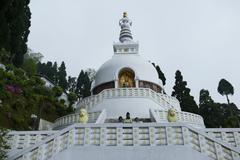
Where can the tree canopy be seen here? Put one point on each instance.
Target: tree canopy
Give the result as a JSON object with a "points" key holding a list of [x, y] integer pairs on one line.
{"points": [[225, 88], [161, 75], [182, 93], [15, 21]]}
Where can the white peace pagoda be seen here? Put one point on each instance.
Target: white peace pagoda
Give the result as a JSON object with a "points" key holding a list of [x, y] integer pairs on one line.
{"points": [[155, 127]]}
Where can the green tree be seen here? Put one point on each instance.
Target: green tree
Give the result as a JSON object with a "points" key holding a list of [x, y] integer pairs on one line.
{"points": [[225, 88], [87, 85], [83, 85], [205, 97], [30, 66], [49, 70], [80, 84], [62, 81], [72, 97], [57, 91], [18, 18], [4, 25], [182, 93], [55, 73], [4, 56], [210, 111], [21, 96], [161, 75], [72, 84]]}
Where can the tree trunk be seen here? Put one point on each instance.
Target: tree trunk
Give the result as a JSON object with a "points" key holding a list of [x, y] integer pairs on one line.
{"points": [[227, 99], [231, 113]]}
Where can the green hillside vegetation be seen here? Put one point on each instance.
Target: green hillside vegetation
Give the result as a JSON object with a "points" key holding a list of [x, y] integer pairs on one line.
{"points": [[21, 96]]}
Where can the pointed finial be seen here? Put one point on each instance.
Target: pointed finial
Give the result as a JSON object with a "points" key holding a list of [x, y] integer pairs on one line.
{"points": [[125, 24]]}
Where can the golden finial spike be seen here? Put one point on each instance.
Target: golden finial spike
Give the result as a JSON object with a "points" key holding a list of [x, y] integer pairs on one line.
{"points": [[124, 14]]}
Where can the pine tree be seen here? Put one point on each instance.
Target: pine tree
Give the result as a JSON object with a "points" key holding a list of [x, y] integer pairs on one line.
{"points": [[83, 85], [87, 85], [4, 27], [62, 81], [55, 73], [182, 93], [80, 84], [49, 71], [72, 84], [161, 75], [19, 16]]}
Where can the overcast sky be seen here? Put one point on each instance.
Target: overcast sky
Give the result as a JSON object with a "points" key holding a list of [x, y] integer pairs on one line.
{"points": [[201, 38]]}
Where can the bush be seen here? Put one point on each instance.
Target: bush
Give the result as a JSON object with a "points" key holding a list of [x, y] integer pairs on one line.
{"points": [[3, 143]]}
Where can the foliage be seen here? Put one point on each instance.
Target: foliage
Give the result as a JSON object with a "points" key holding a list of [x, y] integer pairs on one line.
{"points": [[231, 122], [23, 96], [3, 143], [72, 84], [30, 66], [217, 115], [15, 18], [160, 73], [57, 91], [209, 110], [225, 88], [83, 85], [182, 93], [205, 97], [62, 81], [55, 73], [49, 70], [4, 56], [72, 97]]}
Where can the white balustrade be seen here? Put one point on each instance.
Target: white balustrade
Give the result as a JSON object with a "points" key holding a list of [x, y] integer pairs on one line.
{"points": [[185, 117], [75, 118], [20, 140], [228, 135], [161, 99], [135, 134]]}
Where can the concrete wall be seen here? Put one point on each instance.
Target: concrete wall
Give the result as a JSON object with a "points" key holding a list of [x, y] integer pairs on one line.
{"points": [[137, 107]]}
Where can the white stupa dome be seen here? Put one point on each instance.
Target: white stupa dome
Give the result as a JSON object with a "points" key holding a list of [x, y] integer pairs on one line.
{"points": [[143, 69]]}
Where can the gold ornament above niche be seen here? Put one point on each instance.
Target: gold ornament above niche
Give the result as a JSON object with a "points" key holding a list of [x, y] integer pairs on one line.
{"points": [[126, 78]]}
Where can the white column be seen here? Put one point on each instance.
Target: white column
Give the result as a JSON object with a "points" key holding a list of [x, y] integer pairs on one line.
{"points": [[137, 82], [116, 83]]}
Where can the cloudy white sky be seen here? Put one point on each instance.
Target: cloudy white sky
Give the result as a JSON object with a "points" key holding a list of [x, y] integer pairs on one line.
{"points": [[200, 38]]}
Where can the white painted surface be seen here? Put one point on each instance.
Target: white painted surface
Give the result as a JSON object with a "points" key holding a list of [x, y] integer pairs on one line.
{"points": [[47, 82], [137, 101], [131, 153], [142, 68], [137, 107], [114, 135]]}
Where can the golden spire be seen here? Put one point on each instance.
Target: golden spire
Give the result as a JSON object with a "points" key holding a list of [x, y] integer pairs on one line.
{"points": [[124, 14]]}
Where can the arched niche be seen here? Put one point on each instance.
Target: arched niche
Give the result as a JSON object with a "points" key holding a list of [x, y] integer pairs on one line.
{"points": [[126, 78]]}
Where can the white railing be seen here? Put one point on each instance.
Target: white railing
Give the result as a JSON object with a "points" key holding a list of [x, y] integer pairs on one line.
{"points": [[162, 99], [75, 118], [194, 120], [136, 134], [228, 135], [18, 140]]}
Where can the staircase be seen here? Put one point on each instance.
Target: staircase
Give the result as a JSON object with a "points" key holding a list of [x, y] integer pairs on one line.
{"points": [[129, 135]]}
